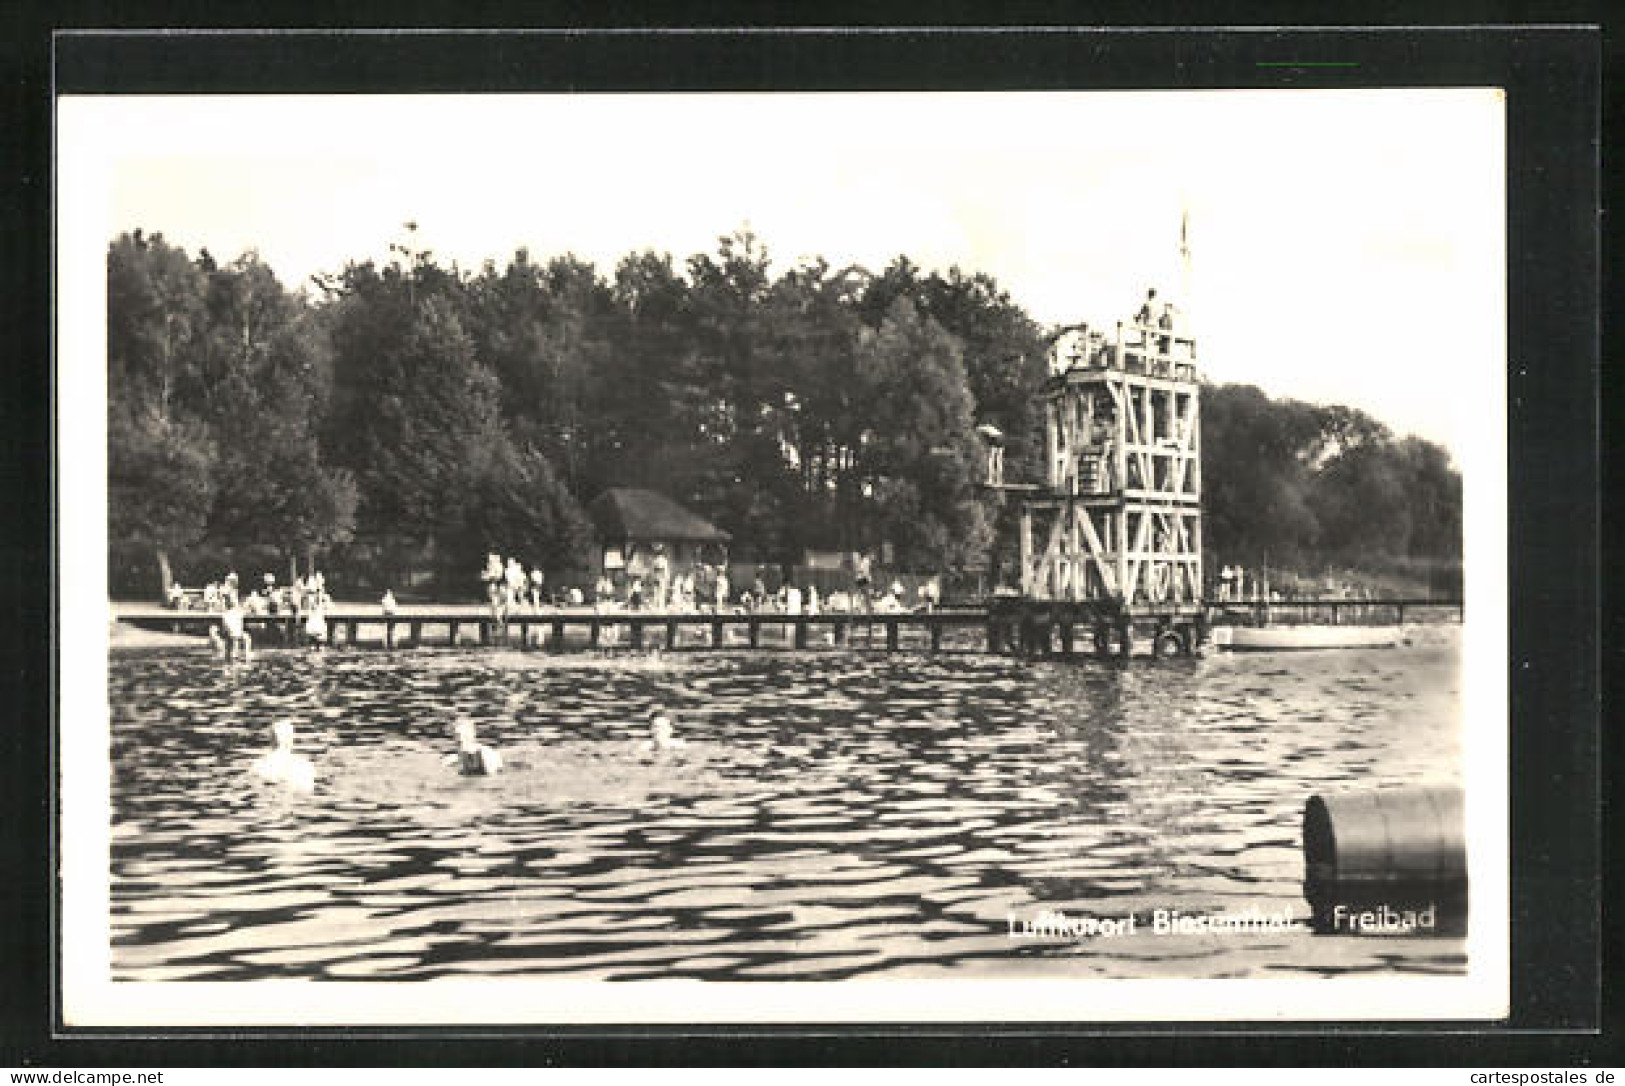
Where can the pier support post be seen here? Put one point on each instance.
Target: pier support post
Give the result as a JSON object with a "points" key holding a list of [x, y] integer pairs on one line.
{"points": [[455, 627], [637, 634], [1165, 641], [1034, 637], [671, 633], [594, 631], [755, 628], [840, 635], [1066, 639], [891, 635], [716, 633], [556, 641], [417, 634], [936, 636], [389, 634]]}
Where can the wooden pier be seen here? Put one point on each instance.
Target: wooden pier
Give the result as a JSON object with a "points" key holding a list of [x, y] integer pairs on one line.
{"points": [[561, 631], [1023, 627]]}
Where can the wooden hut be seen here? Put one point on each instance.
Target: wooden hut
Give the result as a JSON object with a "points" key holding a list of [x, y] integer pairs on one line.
{"points": [[632, 526]]}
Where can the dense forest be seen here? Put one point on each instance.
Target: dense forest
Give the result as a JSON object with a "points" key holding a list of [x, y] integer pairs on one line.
{"points": [[416, 416]]}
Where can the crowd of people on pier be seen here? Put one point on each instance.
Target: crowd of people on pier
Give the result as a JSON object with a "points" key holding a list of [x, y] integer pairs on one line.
{"points": [[304, 601], [698, 588], [297, 597], [512, 589]]}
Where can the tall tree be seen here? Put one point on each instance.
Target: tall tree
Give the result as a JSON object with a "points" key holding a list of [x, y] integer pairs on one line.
{"points": [[1004, 354], [545, 331], [918, 456], [155, 318], [419, 419], [160, 481], [270, 377], [724, 384], [1255, 472], [160, 458]]}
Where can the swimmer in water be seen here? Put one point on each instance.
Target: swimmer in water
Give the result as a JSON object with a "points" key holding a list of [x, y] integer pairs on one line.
{"points": [[662, 734], [472, 758], [282, 765]]}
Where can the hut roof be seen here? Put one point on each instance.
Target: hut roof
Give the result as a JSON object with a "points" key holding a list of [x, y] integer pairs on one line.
{"points": [[630, 513]]}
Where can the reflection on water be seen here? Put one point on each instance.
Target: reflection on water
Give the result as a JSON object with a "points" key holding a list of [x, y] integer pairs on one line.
{"points": [[833, 814]]}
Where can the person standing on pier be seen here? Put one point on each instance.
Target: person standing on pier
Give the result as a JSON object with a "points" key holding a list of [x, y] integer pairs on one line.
{"points": [[720, 588], [514, 587], [316, 621], [537, 580], [661, 568]]}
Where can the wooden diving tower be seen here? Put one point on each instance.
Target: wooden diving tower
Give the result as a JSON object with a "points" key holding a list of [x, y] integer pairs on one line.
{"points": [[1111, 541]]}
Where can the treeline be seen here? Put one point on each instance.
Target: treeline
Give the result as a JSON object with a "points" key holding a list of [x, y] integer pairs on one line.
{"points": [[416, 416], [427, 415], [1304, 488]]}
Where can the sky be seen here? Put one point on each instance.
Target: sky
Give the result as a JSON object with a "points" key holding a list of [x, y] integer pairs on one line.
{"points": [[1345, 246]]}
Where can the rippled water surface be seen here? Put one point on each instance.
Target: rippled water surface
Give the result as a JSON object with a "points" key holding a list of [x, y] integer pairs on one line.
{"points": [[833, 814]]}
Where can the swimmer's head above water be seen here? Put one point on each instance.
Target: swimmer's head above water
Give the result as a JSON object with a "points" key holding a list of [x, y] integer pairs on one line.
{"points": [[282, 765], [662, 730], [471, 758]]}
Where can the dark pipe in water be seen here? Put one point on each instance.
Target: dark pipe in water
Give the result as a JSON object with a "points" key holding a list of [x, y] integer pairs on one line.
{"points": [[1389, 861]]}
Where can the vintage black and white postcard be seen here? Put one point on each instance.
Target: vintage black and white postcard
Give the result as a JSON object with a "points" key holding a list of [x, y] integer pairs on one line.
{"points": [[782, 557]]}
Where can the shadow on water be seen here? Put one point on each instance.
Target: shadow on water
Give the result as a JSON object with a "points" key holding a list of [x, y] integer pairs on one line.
{"points": [[831, 815]]}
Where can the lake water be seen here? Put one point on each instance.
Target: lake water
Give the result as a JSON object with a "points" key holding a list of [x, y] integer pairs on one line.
{"points": [[833, 815]]}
